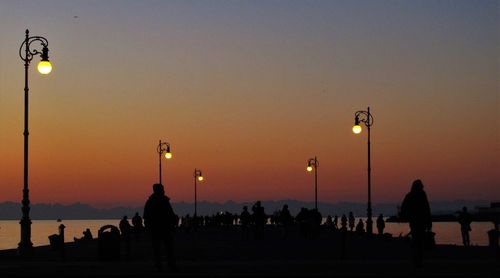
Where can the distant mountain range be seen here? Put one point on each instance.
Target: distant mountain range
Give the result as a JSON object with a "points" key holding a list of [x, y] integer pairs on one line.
{"points": [[12, 211]]}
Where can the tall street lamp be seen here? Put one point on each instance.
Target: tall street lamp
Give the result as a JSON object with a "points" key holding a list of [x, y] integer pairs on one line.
{"points": [[197, 177], [313, 163], [366, 118], [27, 53], [163, 148]]}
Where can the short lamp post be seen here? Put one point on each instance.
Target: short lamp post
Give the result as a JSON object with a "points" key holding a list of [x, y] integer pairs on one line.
{"points": [[197, 177], [313, 163], [163, 148], [27, 52], [366, 118]]}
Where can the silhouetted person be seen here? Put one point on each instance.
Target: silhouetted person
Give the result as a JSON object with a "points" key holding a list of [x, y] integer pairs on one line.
{"points": [[126, 230], [137, 225], [302, 219], [360, 228], [186, 223], [493, 236], [125, 227], [380, 224], [87, 236], [465, 219], [335, 222], [352, 221], [416, 210], [160, 220], [329, 221], [285, 219], [259, 218], [343, 223], [245, 220]]}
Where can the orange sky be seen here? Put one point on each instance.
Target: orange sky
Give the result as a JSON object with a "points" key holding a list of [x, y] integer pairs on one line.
{"points": [[248, 92]]}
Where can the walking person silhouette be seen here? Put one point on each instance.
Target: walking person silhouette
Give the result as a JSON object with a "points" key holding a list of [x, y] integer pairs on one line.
{"points": [[464, 219], [416, 210], [160, 221]]}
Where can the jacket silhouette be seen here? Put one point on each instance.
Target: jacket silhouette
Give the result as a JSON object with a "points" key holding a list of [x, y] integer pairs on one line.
{"points": [[416, 210], [160, 220]]}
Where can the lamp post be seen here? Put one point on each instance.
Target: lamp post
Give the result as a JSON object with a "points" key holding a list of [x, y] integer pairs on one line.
{"points": [[197, 176], [366, 118], [27, 53], [313, 163], [163, 147]]}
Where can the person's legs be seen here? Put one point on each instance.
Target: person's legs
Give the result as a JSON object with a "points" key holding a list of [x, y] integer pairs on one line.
{"points": [[169, 247], [465, 237], [157, 250], [418, 246]]}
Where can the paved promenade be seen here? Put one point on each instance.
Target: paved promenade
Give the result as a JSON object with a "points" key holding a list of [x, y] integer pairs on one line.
{"points": [[220, 252]]}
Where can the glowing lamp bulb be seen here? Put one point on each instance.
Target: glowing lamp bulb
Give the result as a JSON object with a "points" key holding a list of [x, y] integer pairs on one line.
{"points": [[200, 178], [44, 67], [309, 168], [168, 155], [356, 129]]}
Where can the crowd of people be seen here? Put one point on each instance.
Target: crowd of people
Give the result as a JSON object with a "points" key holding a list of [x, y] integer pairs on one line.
{"points": [[160, 221], [308, 221]]}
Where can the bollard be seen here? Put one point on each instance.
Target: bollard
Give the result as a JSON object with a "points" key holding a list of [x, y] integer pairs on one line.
{"points": [[61, 232], [61, 240]]}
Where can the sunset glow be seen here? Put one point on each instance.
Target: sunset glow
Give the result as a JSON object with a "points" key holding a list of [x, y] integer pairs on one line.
{"points": [[248, 90]]}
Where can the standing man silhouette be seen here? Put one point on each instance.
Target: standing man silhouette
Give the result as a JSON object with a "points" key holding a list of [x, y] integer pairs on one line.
{"points": [[259, 219], [464, 219], [380, 224], [126, 229], [137, 225], [245, 219], [416, 210], [160, 221], [352, 221]]}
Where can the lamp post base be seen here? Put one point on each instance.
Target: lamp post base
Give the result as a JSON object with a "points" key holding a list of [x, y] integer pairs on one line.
{"points": [[25, 247], [369, 226]]}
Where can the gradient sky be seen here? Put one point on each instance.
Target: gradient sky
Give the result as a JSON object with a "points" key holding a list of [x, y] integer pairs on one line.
{"points": [[248, 91]]}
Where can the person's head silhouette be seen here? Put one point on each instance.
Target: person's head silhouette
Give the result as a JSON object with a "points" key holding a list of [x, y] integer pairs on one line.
{"points": [[158, 188], [417, 186]]}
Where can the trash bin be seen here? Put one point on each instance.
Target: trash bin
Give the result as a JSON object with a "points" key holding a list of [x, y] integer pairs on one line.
{"points": [[55, 241], [493, 237], [109, 243]]}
